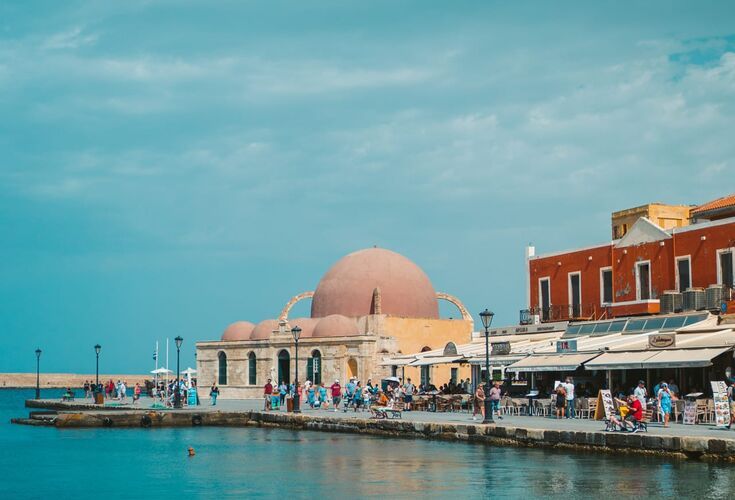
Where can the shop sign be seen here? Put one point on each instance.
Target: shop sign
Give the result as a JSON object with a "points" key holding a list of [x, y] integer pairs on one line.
{"points": [[566, 346], [722, 405], [661, 340], [690, 412], [500, 348]]}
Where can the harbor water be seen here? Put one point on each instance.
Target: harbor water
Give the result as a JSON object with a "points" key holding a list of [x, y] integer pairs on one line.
{"points": [[41, 462]]}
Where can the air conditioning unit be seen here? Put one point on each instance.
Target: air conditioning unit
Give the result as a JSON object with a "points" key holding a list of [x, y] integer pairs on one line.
{"points": [[695, 299], [671, 302], [536, 319], [715, 295]]}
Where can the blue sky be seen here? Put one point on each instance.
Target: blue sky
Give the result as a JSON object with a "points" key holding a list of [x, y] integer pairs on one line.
{"points": [[167, 167]]}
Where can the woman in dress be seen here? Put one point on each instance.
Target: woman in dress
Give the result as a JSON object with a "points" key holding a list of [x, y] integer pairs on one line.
{"points": [[664, 402], [561, 400], [479, 402]]}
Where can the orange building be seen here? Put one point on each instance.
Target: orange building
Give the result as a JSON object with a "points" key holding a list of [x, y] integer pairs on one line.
{"points": [[630, 275]]}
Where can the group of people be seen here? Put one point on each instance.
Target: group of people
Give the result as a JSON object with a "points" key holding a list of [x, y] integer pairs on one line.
{"points": [[564, 403], [112, 390], [494, 395]]}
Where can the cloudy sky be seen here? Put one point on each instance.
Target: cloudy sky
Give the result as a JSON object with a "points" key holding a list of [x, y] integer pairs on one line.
{"points": [[170, 167]]}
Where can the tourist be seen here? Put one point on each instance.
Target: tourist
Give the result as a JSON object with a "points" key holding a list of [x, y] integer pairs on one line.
{"points": [[673, 388], [310, 394], [494, 395], [479, 403], [366, 398], [336, 394], [357, 396], [121, 389], [569, 388], [267, 392], [323, 401], [136, 392], [641, 393], [664, 402], [282, 391], [398, 393], [87, 392], [731, 399], [382, 399], [213, 393], [561, 400], [409, 389], [349, 394], [636, 411]]}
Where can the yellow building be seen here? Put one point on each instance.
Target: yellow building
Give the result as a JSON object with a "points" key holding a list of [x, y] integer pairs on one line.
{"points": [[371, 305], [664, 216]]}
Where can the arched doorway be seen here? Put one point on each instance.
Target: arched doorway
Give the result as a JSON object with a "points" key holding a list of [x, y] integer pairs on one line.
{"points": [[284, 367], [352, 368], [252, 367], [222, 378], [314, 367]]}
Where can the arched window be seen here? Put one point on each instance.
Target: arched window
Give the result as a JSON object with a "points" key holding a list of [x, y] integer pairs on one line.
{"points": [[252, 374], [284, 367], [314, 367], [222, 368]]}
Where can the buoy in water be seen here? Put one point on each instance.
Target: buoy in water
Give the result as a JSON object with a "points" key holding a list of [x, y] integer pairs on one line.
{"points": [[191, 451]]}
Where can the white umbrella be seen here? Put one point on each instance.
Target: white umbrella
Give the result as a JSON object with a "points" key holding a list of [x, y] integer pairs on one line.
{"points": [[161, 371], [189, 371]]}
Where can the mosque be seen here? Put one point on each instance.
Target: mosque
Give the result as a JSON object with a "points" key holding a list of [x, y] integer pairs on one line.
{"points": [[371, 307]]}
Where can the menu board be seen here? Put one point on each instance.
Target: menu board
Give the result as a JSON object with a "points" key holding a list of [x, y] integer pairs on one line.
{"points": [[605, 405], [722, 406], [690, 412]]}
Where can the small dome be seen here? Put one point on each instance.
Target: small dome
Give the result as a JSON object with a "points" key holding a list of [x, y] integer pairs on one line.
{"points": [[264, 329], [307, 325], [336, 325], [240, 330]]}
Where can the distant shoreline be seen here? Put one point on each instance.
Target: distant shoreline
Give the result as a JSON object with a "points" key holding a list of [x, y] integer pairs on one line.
{"points": [[62, 380]]}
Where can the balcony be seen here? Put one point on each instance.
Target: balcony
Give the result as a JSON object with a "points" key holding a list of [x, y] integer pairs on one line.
{"points": [[564, 312]]}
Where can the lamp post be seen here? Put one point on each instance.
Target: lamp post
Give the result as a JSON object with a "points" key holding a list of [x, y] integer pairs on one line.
{"points": [[38, 373], [487, 318], [177, 389], [97, 349], [296, 332]]}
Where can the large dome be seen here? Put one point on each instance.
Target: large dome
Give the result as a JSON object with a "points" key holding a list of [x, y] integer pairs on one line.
{"points": [[306, 324], [264, 329], [347, 288], [336, 326]]}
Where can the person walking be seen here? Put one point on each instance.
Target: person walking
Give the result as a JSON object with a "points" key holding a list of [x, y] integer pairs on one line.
{"points": [[409, 390], [87, 393], [664, 402], [213, 393], [641, 393], [282, 391], [479, 403], [136, 392], [336, 390], [267, 393], [494, 395], [569, 388]]}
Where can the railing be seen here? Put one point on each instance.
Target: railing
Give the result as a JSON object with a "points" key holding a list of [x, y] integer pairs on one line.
{"points": [[563, 312]]}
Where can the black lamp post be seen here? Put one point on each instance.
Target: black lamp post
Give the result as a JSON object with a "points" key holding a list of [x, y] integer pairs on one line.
{"points": [[487, 318], [97, 349], [38, 373], [177, 389], [296, 332]]}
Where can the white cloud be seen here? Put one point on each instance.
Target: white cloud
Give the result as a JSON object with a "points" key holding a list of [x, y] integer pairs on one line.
{"points": [[71, 39]]}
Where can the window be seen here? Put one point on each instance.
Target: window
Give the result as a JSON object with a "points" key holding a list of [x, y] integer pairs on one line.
{"points": [[252, 367], [725, 267], [314, 367], [575, 295], [643, 280], [222, 380], [425, 375], [616, 232], [284, 367], [544, 294], [683, 273], [606, 285]]}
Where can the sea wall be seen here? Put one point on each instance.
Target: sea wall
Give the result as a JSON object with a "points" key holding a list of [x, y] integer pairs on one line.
{"points": [[701, 448], [63, 380]]}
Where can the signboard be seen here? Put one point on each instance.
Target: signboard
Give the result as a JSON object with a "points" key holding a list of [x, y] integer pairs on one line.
{"points": [[605, 405], [722, 406], [690, 412], [566, 346], [661, 340], [500, 348]]}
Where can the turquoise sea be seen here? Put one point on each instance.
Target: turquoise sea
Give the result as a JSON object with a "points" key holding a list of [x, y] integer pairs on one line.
{"points": [[39, 462]]}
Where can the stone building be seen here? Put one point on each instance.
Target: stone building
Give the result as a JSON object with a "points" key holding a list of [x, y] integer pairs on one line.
{"points": [[370, 306]]}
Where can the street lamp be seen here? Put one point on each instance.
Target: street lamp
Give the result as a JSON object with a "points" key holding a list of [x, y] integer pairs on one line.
{"points": [[296, 332], [38, 373], [177, 394], [487, 318], [97, 349]]}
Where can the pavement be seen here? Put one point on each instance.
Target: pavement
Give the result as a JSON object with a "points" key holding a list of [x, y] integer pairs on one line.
{"points": [[531, 422]]}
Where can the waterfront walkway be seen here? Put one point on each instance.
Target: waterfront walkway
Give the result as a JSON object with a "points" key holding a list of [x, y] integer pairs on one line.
{"points": [[543, 423]]}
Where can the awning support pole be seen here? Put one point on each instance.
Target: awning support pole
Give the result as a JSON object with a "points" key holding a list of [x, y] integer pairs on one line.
{"points": [[609, 380]]}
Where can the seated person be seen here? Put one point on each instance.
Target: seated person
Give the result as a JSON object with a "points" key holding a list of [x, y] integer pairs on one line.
{"points": [[382, 399], [635, 415]]}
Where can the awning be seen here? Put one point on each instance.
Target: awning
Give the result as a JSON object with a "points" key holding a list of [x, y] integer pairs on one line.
{"points": [[496, 361], [397, 361], [630, 360], [435, 360], [551, 363], [684, 358]]}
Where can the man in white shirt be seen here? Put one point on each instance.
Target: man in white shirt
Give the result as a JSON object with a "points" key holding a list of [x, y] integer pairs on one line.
{"points": [[409, 390], [569, 387], [641, 393]]}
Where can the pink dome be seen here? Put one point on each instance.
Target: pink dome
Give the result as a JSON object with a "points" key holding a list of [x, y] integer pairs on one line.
{"points": [[336, 325], [240, 330], [307, 325], [264, 329], [347, 288]]}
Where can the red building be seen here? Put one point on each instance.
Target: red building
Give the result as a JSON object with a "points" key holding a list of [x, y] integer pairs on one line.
{"points": [[628, 276]]}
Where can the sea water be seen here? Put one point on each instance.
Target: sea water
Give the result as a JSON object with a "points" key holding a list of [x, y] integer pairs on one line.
{"points": [[43, 462]]}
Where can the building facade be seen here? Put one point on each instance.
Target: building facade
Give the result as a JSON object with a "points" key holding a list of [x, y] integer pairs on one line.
{"points": [[372, 305], [629, 275]]}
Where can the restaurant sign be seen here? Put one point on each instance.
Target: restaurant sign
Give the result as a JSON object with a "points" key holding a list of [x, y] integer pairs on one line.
{"points": [[500, 348], [661, 340], [566, 346]]}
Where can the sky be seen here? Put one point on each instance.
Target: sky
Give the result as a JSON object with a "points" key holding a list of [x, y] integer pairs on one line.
{"points": [[167, 168]]}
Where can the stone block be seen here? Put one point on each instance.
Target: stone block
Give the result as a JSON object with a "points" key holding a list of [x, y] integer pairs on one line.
{"points": [[616, 440], [566, 437], [671, 443], [692, 444], [521, 434], [717, 446], [649, 442], [535, 434]]}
